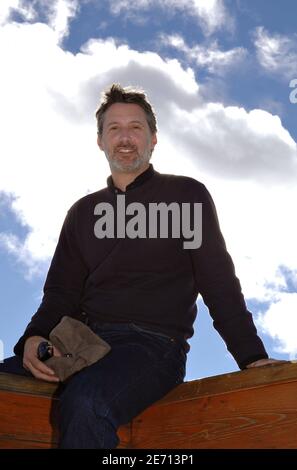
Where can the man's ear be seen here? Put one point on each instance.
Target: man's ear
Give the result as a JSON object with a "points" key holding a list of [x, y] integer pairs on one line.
{"points": [[154, 141], [99, 142]]}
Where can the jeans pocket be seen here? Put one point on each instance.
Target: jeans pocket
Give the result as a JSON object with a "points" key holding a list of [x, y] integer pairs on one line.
{"points": [[174, 362], [153, 334]]}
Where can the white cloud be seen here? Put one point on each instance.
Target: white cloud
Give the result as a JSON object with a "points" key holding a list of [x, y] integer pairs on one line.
{"points": [[211, 14], [233, 143], [280, 322], [259, 226], [144, 63], [58, 12], [7, 7], [276, 53], [208, 56], [48, 160]]}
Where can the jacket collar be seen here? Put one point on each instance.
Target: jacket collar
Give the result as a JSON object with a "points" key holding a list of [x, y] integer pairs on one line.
{"points": [[139, 180]]}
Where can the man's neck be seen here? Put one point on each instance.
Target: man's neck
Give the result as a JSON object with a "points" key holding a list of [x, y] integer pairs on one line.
{"points": [[122, 180]]}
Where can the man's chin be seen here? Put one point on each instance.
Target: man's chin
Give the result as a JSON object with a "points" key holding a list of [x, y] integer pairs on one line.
{"points": [[125, 167]]}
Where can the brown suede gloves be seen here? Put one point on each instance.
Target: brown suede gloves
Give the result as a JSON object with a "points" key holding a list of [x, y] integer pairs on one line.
{"points": [[79, 345]]}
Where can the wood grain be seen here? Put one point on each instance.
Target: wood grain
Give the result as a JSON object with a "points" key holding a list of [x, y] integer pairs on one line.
{"points": [[27, 420], [240, 419], [253, 409]]}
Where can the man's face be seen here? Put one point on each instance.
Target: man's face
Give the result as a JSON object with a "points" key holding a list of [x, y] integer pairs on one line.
{"points": [[126, 139]]}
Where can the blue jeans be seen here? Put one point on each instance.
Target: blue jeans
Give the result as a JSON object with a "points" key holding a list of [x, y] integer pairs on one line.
{"points": [[140, 369], [14, 365]]}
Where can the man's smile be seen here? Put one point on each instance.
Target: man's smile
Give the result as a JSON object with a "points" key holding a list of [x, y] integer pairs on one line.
{"points": [[125, 150]]}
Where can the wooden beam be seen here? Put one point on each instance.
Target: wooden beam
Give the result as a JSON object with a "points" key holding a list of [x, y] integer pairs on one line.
{"points": [[256, 408]]}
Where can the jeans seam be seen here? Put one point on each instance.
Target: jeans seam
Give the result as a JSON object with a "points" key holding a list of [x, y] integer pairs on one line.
{"points": [[131, 384], [140, 330]]}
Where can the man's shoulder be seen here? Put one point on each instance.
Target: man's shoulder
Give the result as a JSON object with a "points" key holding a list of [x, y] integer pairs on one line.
{"points": [[182, 182], [89, 200]]}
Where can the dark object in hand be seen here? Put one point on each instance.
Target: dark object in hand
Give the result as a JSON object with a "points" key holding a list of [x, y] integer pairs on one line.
{"points": [[45, 350]]}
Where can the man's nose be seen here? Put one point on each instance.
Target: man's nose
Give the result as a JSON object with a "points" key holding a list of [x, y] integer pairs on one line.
{"points": [[124, 134], [124, 141]]}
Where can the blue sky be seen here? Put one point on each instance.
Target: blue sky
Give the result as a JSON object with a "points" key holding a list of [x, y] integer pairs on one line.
{"points": [[218, 74]]}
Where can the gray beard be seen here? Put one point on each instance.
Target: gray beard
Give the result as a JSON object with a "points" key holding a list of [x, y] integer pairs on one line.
{"points": [[133, 166]]}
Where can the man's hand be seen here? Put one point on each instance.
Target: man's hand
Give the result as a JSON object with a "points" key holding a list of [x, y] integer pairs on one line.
{"points": [[265, 362], [33, 364]]}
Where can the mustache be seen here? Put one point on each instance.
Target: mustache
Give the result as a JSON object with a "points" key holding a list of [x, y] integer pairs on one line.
{"points": [[126, 147]]}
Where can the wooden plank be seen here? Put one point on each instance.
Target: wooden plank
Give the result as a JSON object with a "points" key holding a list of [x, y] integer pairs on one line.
{"points": [[125, 436], [31, 386], [255, 408], [248, 379], [27, 420], [265, 418], [13, 443]]}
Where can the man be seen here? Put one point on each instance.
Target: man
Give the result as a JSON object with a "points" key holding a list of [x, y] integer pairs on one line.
{"points": [[136, 290]]}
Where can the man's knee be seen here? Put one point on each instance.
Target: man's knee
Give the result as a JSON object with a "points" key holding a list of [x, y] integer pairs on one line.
{"points": [[86, 421], [82, 398]]}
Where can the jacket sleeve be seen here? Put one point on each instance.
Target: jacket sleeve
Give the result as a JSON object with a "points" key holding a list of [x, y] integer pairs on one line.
{"points": [[221, 291], [63, 287]]}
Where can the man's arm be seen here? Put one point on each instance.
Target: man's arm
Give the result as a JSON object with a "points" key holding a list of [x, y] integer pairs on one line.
{"points": [[221, 291], [63, 287]]}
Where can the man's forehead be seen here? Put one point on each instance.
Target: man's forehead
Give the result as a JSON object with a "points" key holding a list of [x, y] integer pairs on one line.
{"points": [[125, 112]]}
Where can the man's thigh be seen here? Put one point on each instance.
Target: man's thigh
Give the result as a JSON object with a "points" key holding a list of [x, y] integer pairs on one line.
{"points": [[138, 371]]}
